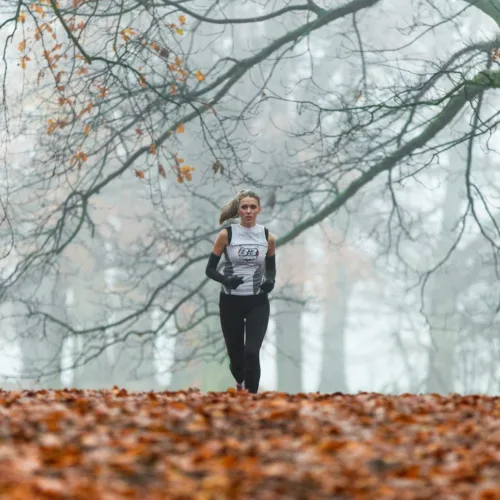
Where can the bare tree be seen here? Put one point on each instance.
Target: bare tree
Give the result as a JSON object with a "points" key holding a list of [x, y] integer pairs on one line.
{"points": [[115, 94]]}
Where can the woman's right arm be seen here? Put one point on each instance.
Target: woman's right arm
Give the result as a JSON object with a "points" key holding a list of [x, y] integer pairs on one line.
{"points": [[211, 270], [213, 261]]}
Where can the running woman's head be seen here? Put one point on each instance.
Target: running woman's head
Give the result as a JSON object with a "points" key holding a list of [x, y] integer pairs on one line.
{"points": [[246, 205]]}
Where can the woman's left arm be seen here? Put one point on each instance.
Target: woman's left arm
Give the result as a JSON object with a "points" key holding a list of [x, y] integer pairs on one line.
{"points": [[271, 245], [268, 284]]}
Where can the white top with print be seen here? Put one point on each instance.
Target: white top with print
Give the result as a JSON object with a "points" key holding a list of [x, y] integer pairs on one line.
{"points": [[245, 256]]}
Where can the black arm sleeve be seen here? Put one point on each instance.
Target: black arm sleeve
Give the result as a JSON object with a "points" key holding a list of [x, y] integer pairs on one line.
{"points": [[271, 268], [211, 269]]}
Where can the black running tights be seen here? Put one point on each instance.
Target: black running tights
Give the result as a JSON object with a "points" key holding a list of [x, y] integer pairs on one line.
{"points": [[240, 314]]}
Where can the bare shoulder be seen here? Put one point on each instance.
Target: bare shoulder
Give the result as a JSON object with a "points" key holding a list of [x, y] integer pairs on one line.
{"points": [[223, 236], [271, 242], [221, 242]]}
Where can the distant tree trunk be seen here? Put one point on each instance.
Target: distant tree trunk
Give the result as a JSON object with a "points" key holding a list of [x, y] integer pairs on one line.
{"points": [[10, 336], [333, 369], [215, 366], [340, 270], [127, 362], [93, 369], [95, 373], [134, 356], [134, 364], [186, 371], [441, 298], [444, 332], [288, 315], [41, 346]]}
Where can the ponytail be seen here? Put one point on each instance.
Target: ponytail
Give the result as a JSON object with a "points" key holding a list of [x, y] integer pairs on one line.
{"points": [[229, 210]]}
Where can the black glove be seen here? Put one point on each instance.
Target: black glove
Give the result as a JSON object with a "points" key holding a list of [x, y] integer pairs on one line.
{"points": [[268, 283], [267, 286], [233, 282]]}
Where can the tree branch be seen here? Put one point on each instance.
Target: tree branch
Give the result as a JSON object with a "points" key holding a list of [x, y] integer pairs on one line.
{"points": [[489, 7], [237, 71], [58, 14], [291, 8], [484, 80]]}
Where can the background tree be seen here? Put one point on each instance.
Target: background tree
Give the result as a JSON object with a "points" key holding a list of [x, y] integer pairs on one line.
{"points": [[163, 109]]}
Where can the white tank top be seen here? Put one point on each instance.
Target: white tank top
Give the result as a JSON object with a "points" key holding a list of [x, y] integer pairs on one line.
{"points": [[245, 256]]}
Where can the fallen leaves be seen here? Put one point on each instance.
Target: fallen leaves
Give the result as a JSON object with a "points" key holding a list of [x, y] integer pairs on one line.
{"points": [[114, 444]]}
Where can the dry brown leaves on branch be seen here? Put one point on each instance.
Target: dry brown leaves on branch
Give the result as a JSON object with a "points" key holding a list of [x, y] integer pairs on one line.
{"points": [[183, 445]]}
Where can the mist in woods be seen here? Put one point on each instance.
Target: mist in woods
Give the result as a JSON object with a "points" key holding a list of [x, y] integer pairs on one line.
{"points": [[369, 129]]}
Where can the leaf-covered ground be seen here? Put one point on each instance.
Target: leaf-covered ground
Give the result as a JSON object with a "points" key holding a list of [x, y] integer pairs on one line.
{"points": [[184, 445]]}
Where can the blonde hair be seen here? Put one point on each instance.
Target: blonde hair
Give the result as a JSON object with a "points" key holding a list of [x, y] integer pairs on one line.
{"points": [[230, 209]]}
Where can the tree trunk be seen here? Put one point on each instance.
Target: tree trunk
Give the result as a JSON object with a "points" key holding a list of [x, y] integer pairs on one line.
{"points": [[186, 371], [41, 346], [289, 347], [215, 367], [134, 364], [288, 316], [441, 298], [93, 369], [333, 370]]}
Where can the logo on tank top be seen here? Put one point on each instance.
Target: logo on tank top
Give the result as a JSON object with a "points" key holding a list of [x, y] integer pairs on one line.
{"points": [[248, 253]]}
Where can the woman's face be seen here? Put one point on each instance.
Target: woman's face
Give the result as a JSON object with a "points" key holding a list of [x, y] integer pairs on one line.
{"points": [[248, 210]]}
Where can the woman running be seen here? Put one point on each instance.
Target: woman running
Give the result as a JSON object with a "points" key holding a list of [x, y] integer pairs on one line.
{"points": [[248, 276]]}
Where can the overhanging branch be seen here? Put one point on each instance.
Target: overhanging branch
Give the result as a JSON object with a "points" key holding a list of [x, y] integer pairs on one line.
{"points": [[489, 7], [236, 72], [471, 89]]}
